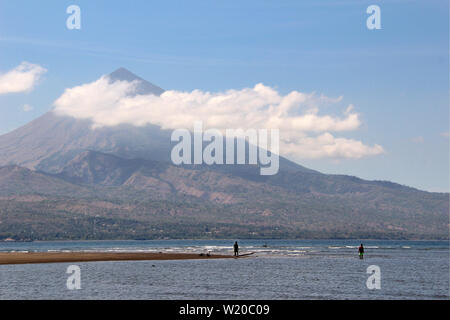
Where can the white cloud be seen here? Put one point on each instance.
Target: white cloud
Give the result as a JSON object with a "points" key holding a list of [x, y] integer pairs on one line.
{"points": [[445, 134], [304, 132], [27, 107], [21, 79], [327, 146]]}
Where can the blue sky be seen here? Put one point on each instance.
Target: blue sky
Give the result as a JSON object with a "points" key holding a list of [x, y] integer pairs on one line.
{"points": [[397, 78]]}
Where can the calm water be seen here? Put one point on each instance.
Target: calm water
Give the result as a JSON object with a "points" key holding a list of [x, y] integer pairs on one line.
{"points": [[279, 269]]}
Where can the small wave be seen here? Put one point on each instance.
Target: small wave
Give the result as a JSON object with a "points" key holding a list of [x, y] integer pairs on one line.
{"points": [[214, 247]]}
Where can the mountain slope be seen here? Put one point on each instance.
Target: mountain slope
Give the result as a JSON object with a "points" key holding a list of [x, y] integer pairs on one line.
{"points": [[60, 176], [50, 141], [144, 87], [17, 181], [180, 200]]}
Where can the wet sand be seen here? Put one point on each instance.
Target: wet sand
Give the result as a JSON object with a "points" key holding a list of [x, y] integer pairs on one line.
{"points": [[55, 257]]}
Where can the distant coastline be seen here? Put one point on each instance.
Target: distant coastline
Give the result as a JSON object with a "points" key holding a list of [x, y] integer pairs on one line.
{"points": [[231, 237]]}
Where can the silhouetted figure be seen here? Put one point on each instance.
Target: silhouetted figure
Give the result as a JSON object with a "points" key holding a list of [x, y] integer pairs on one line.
{"points": [[236, 249], [361, 251]]}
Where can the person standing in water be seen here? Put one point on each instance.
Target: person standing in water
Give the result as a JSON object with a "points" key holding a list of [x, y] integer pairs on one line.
{"points": [[361, 251], [236, 249]]}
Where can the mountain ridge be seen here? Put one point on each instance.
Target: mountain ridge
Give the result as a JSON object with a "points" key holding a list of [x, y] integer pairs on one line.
{"points": [[146, 192]]}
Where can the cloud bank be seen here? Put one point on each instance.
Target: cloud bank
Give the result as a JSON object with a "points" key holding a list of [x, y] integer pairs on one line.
{"points": [[21, 79], [304, 132]]}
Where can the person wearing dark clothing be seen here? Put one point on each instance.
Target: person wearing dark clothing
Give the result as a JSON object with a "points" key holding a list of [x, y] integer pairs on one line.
{"points": [[236, 249], [361, 251]]}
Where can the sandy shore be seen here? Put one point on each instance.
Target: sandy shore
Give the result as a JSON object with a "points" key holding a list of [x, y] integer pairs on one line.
{"points": [[53, 257]]}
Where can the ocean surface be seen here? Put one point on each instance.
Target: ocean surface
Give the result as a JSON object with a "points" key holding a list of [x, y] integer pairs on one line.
{"points": [[277, 269]]}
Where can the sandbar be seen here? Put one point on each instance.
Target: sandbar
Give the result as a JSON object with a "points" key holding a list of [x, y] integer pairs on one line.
{"points": [[59, 257]]}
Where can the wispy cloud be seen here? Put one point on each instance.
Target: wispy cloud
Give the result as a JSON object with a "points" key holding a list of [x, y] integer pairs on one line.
{"points": [[304, 131], [21, 79]]}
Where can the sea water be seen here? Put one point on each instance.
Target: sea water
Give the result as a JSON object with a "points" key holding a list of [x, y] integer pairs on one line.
{"points": [[277, 269]]}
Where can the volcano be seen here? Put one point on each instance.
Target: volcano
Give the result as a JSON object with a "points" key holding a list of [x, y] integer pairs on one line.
{"points": [[59, 176]]}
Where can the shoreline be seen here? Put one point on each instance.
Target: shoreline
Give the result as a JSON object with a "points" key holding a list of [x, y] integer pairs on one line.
{"points": [[62, 257]]}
